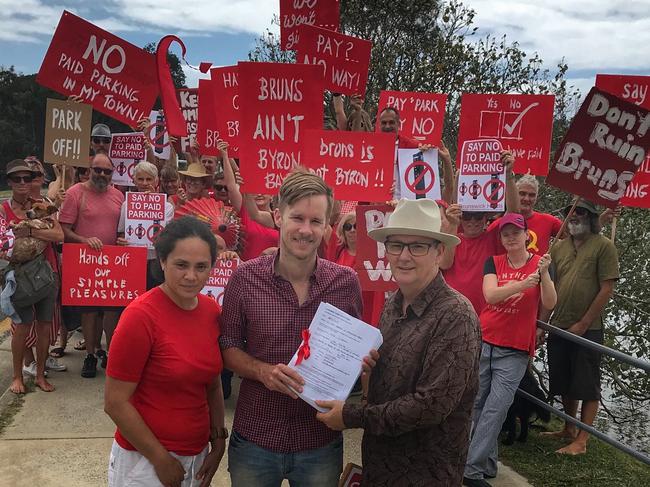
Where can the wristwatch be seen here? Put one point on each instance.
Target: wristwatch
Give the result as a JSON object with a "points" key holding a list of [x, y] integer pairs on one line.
{"points": [[219, 434]]}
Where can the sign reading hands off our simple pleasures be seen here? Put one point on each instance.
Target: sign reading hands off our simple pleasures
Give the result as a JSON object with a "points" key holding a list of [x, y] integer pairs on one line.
{"points": [[114, 76]]}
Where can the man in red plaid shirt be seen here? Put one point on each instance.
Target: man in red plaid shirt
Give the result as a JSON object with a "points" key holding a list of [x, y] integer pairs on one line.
{"points": [[267, 304]]}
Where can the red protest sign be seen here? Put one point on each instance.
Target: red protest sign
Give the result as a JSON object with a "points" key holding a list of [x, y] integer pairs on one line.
{"points": [[278, 103], [294, 13], [522, 123], [114, 76], [421, 115], [188, 100], [218, 280], [343, 59], [630, 88], [371, 263], [352, 163], [637, 193], [226, 87], [607, 143], [113, 276], [207, 134]]}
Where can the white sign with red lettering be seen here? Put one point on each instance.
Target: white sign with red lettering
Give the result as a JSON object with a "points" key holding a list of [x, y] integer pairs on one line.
{"points": [[126, 151], [145, 217], [219, 277], [482, 181]]}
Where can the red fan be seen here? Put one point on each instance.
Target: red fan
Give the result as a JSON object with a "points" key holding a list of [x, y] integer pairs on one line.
{"points": [[223, 220]]}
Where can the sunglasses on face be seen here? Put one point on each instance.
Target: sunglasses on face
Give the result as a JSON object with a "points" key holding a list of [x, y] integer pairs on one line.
{"points": [[349, 226], [21, 179], [99, 170], [472, 216], [101, 140], [220, 187]]}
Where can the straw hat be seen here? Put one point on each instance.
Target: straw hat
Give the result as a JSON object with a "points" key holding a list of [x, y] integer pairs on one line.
{"points": [[195, 170], [414, 217]]}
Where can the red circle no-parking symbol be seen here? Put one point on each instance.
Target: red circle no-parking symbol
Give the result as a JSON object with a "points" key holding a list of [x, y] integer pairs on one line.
{"points": [[419, 178], [494, 195]]}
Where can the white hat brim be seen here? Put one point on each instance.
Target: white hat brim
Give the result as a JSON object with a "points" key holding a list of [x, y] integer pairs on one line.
{"points": [[380, 234]]}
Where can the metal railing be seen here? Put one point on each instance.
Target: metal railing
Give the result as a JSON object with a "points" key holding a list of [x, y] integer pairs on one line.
{"points": [[622, 357]]}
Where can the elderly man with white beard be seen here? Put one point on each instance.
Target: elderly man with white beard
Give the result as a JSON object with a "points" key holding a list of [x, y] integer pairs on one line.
{"points": [[586, 272]]}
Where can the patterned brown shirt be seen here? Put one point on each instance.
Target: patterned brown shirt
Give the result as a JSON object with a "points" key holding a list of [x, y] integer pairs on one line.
{"points": [[420, 400]]}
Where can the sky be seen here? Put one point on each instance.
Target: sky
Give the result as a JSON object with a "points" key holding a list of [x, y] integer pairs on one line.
{"points": [[592, 36]]}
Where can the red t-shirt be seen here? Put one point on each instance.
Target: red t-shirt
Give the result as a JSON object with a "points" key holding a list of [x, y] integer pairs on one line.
{"points": [[512, 323], [541, 227], [466, 274], [173, 355], [258, 237]]}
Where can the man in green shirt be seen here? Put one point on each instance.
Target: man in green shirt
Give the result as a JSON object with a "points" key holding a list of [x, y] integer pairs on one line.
{"points": [[586, 271]]}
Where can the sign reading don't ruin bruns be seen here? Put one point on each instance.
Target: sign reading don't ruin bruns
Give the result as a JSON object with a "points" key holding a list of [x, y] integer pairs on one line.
{"points": [[109, 73]]}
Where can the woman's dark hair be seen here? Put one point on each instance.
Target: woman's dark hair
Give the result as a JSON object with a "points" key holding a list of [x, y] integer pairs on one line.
{"points": [[180, 229]]}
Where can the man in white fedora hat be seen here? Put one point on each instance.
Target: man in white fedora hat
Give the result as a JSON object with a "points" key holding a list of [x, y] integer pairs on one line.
{"points": [[418, 411]]}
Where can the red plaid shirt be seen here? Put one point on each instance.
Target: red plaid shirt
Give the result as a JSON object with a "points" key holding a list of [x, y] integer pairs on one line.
{"points": [[261, 316]]}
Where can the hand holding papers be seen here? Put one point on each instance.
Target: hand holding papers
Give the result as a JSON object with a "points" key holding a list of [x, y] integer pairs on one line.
{"points": [[331, 362]]}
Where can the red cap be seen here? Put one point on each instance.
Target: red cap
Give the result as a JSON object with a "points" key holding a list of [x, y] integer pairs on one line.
{"points": [[512, 219]]}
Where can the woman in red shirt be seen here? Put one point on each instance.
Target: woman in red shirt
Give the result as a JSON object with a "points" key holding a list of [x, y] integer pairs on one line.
{"points": [[346, 231], [163, 389], [514, 283]]}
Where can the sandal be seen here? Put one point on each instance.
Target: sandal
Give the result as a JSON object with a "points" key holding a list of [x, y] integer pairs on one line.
{"points": [[57, 352], [81, 345]]}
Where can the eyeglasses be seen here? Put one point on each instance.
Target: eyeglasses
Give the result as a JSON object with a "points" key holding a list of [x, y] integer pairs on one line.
{"points": [[349, 226], [99, 170], [220, 187], [416, 249], [467, 216], [21, 179], [101, 140]]}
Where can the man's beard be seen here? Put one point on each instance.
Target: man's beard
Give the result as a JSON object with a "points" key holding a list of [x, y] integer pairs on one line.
{"points": [[99, 183], [578, 229]]}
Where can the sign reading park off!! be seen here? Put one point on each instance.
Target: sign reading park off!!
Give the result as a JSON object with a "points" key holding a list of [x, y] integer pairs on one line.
{"points": [[294, 13], [126, 151], [113, 276], [225, 81], [343, 59], [114, 76], [188, 100], [371, 263], [421, 115], [218, 280], [481, 179], [522, 123], [630, 88], [67, 133], [145, 217], [354, 164], [278, 102], [605, 146]]}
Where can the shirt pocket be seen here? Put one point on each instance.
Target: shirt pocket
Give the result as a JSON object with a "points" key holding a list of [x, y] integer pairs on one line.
{"points": [[588, 269]]}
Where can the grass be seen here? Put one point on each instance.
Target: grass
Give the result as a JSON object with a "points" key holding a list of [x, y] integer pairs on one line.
{"points": [[601, 466], [12, 409]]}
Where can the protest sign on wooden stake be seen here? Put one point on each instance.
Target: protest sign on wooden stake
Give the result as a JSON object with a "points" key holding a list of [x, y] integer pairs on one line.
{"points": [[421, 115], [67, 133]]}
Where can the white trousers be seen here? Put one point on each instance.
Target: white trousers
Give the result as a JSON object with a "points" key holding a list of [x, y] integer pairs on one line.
{"points": [[127, 468]]}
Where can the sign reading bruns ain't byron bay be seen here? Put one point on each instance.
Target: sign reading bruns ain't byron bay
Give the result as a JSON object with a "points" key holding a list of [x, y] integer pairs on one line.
{"points": [[114, 76], [606, 144]]}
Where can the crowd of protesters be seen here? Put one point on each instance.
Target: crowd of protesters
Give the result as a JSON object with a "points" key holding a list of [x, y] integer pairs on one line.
{"points": [[458, 334]]}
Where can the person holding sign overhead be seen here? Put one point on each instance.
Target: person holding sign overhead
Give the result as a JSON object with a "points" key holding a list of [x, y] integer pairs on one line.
{"points": [[417, 416], [162, 387]]}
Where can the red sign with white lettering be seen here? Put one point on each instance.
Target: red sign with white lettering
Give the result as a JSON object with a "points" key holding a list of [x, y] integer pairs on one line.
{"points": [[294, 13], [113, 276], [188, 100], [522, 123], [607, 143], [278, 103], [421, 115], [630, 88], [343, 59], [114, 76], [218, 280], [226, 83], [352, 163], [371, 263], [207, 132]]}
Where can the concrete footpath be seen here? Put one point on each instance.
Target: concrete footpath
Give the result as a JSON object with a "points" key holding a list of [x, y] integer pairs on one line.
{"points": [[63, 438]]}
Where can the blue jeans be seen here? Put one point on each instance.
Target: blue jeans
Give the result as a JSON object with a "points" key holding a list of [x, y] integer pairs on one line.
{"points": [[250, 465]]}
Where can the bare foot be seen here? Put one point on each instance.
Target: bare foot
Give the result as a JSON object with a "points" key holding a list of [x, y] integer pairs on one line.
{"points": [[575, 448], [43, 385], [564, 434], [18, 386]]}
